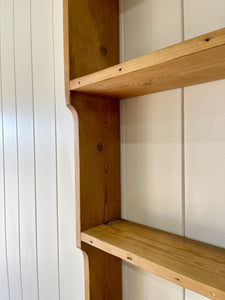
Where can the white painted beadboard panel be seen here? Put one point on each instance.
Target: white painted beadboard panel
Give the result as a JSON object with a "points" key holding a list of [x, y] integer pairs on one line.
{"points": [[150, 141], [189, 295], [147, 286], [151, 154], [70, 258], [153, 160], [204, 139], [205, 163], [4, 289], [150, 25], [32, 82], [10, 149], [44, 116], [25, 149], [203, 16]]}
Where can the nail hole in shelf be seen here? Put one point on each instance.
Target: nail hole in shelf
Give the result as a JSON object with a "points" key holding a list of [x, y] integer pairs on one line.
{"points": [[207, 40], [129, 258], [177, 279], [120, 69], [91, 242]]}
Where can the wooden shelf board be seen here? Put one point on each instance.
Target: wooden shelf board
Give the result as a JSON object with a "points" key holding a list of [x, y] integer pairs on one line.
{"points": [[198, 60], [191, 264]]}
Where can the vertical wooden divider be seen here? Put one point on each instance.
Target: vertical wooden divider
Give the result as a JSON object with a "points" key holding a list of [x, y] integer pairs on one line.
{"points": [[91, 43]]}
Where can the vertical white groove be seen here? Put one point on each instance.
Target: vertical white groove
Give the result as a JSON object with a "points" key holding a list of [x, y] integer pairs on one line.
{"points": [[121, 37], [125, 273], [17, 151], [182, 132], [34, 147], [3, 163], [56, 150], [122, 111], [122, 57], [182, 142]]}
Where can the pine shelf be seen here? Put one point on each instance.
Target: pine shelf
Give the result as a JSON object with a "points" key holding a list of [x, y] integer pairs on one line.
{"points": [[198, 60], [191, 264], [91, 56]]}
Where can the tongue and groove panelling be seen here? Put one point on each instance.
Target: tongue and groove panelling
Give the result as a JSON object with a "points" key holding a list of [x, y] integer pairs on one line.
{"points": [[165, 183], [151, 139], [204, 115]]}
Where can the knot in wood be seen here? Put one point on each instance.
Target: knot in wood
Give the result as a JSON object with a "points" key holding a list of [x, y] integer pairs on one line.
{"points": [[103, 51], [147, 83], [99, 146]]}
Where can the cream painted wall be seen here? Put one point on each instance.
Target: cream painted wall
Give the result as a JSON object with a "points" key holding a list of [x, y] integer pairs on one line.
{"points": [[38, 258], [172, 149], [172, 143]]}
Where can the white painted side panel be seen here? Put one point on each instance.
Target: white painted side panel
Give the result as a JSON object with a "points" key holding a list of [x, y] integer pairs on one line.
{"points": [[203, 16], [70, 259], [10, 149], [36, 126], [205, 162], [151, 141], [25, 149], [204, 138], [4, 288], [153, 160], [149, 25]]}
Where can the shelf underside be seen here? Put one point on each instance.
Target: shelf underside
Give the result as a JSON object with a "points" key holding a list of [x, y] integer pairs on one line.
{"points": [[191, 264], [194, 61]]}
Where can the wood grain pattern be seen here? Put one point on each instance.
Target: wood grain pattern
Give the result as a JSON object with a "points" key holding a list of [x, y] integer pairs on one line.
{"points": [[191, 264], [103, 274], [195, 61], [75, 117], [93, 30], [93, 35], [99, 147]]}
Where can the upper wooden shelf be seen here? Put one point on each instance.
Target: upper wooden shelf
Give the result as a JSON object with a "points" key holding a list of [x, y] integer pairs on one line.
{"points": [[191, 264], [198, 60]]}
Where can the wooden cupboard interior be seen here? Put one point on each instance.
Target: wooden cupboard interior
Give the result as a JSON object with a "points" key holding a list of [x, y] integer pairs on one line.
{"points": [[94, 83]]}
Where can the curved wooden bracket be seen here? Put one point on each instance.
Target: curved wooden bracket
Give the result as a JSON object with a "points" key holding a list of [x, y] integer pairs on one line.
{"points": [[91, 44]]}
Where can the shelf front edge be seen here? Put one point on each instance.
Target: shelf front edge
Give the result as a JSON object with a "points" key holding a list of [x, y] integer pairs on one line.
{"points": [[163, 254], [198, 60]]}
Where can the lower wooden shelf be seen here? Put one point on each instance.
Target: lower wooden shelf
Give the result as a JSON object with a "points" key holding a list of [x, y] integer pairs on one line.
{"points": [[191, 264]]}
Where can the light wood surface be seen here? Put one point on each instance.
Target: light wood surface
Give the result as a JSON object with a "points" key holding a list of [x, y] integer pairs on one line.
{"points": [[93, 35], [103, 274], [194, 61], [99, 159], [93, 44], [191, 264]]}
